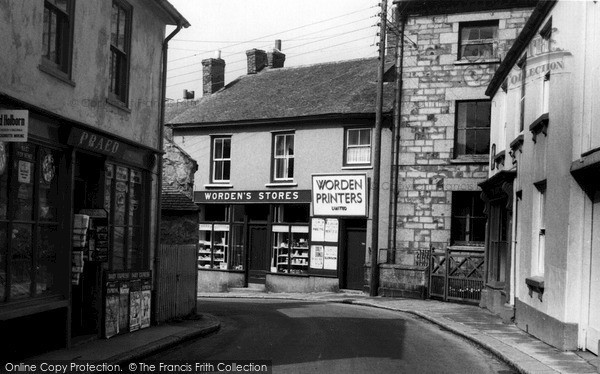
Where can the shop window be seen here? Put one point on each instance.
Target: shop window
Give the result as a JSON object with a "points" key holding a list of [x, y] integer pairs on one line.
{"points": [[290, 249], [221, 159], [120, 35], [472, 128], [358, 147], [57, 38], [221, 238], [468, 219], [291, 213], [283, 157], [29, 226], [123, 202], [478, 40]]}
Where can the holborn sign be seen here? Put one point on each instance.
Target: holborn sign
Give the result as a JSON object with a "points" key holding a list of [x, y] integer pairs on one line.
{"points": [[339, 195], [14, 125]]}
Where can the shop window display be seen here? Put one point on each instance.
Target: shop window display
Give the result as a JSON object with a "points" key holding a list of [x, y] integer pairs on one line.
{"points": [[221, 243], [290, 253], [29, 201]]}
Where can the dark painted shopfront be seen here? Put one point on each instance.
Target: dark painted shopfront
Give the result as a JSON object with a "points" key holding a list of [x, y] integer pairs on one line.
{"points": [[74, 234], [279, 239]]}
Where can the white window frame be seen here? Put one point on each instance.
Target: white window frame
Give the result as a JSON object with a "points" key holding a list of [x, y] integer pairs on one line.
{"points": [[355, 146], [286, 156], [222, 159], [540, 229]]}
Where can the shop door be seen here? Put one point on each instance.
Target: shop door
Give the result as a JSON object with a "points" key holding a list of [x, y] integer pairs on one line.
{"points": [[355, 258], [593, 324], [257, 254]]}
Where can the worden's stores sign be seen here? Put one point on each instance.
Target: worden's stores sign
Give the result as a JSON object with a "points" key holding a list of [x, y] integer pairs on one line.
{"points": [[339, 195]]}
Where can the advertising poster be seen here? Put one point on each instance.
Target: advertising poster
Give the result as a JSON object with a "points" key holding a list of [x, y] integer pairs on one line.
{"points": [[330, 257], [317, 230], [316, 256], [14, 125], [135, 305], [123, 306], [111, 310], [146, 303], [331, 230]]}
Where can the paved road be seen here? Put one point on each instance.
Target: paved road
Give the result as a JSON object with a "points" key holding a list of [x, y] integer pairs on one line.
{"points": [[303, 337]]}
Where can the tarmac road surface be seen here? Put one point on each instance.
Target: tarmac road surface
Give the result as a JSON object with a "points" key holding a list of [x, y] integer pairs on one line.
{"points": [[318, 337]]}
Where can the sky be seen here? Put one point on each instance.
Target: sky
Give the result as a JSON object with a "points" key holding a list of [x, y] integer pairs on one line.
{"points": [[311, 31]]}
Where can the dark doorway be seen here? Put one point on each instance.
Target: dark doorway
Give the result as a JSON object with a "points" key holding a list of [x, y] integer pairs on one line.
{"points": [[355, 240], [258, 241]]}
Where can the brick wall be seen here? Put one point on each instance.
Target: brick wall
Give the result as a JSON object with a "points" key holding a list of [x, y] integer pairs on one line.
{"points": [[433, 81]]}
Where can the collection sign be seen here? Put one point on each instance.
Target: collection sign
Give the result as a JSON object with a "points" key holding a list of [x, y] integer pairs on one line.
{"points": [[14, 125], [278, 196], [339, 195]]}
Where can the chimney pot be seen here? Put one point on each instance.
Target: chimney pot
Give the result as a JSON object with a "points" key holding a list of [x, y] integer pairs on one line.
{"points": [[213, 75], [276, 59], [188, 95]]}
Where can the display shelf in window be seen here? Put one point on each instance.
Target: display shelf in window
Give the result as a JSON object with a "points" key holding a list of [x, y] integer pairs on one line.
{"points": [[290, 250], [213, 246]]}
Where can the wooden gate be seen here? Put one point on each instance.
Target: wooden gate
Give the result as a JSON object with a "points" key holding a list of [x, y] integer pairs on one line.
{"points": [[178, 274], [456, 274]]}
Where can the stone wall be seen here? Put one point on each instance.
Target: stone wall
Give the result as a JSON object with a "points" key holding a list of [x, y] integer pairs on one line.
{"points": [[428, 173], [178, 168]]}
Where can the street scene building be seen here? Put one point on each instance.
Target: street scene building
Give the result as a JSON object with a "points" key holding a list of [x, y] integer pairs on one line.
{"points": [[541, 194], [80, 149], [284, 164]]}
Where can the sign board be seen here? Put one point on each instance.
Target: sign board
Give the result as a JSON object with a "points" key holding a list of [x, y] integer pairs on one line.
{"points": [[14, 125], [337, 195], [269, 196]]}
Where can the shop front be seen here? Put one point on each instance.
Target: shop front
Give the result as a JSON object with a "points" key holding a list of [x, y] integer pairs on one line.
{"points": [[288, 240], [74, 207]]}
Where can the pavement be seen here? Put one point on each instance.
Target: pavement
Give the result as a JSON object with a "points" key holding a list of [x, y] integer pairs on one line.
{"points": [[523, 352]]}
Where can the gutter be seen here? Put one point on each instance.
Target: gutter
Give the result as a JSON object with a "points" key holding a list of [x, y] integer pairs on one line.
{"points": [[161, 134]]}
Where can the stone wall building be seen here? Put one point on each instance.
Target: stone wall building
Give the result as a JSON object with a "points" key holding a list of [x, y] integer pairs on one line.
{"points": [[449, 52]]}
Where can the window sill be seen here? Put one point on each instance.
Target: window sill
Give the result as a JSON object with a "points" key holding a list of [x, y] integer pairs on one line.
{"points": [[535, 284], [539, 125], [55, 72], [217, 185], [357, 167], [118, 104], [478, 62], [476, 159], [282, 184]]}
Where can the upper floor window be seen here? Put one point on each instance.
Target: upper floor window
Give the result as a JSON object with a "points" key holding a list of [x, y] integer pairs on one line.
{"points": [[221, 159], [478, 40], [120, 34], [472, 128], [523, 66], [358, 146], [283, 157], [57, 40]]}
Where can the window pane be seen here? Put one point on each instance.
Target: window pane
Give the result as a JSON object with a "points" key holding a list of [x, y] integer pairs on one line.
{"points": [[279, 168], [218, 172], [471, 120], [359, 155], [48, 187], [46, 266], [226, 148], [23, 174], [220, 245], [483, 114], [462, 115], [4, 162], [135, 253], [470, 33], [237, 248], [226, 170], [135, 197], [3, 262], [20, 265], [290, 145], [118, 249], [217, 213], [290, 171], [353, 137], [52, 38], [218, 148], [461, 140], [122, 29], [60, 4], [46, 33], [483, 142], [365, 137], [487, 32], [279, 145]]}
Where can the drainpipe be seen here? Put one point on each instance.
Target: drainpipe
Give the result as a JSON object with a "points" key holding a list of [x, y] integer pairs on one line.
{"points": [[374, 279], [397, 122], [161, 134]]}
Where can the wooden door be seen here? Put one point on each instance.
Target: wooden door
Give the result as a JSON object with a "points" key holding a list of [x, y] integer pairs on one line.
{"points": [[355, 258], [258, 251]]}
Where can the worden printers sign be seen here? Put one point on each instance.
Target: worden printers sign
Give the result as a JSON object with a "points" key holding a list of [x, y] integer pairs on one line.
{"points": [[14, 125], [339, 195]]}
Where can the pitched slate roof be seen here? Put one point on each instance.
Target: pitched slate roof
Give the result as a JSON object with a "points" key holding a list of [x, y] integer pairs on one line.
{"points": [[336, 88], [174, 199]]}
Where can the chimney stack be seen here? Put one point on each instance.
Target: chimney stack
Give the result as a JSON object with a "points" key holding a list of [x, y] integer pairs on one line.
{"points": [[188, 95], [276, 59], [257, 60], [213, 74]]}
